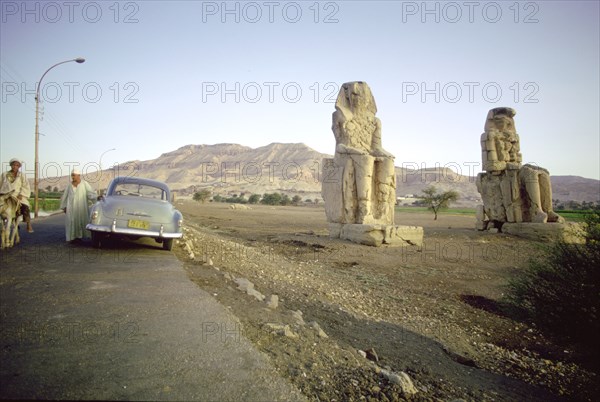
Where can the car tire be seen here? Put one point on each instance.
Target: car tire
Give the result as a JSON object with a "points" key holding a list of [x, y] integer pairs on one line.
{"points": [[167, 244], [96, 240]]}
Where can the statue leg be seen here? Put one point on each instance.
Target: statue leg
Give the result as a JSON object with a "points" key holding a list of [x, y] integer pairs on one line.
{"points": [[546, 197], [492, 195], [511, 197], [530, 177], [363, 170], [348, 190], [385, 182]]}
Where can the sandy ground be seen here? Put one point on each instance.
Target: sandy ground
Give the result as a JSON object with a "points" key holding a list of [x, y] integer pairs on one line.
{"points": [[435, 314]]}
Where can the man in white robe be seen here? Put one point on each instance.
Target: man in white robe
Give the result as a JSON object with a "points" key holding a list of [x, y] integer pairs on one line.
{"points": [[14, 180], [74, 203]]}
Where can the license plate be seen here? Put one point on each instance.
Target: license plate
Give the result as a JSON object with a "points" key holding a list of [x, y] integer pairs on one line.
{"points": [[137, 224]]}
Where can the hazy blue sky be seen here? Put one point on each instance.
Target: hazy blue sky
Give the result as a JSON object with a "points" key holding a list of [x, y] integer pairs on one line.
{"points": [[160, 75]]}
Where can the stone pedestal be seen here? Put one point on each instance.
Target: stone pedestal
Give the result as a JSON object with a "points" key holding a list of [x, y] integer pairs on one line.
{"points": [[568, 232], [377, 235]]}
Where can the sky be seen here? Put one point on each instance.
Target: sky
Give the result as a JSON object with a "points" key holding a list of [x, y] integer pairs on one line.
{"points": [[160, 75]]}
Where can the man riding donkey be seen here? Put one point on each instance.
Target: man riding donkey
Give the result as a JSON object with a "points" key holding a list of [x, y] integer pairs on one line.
{"points": [[15, 183]]}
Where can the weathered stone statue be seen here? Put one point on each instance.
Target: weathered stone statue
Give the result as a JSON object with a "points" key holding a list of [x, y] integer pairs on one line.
{"points": [[511, 192], [359, 183]]}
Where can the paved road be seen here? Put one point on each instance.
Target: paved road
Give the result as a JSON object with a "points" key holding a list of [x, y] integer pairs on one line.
{"points": [[118, 323]]}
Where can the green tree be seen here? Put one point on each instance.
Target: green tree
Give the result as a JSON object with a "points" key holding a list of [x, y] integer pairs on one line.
{"points": [[285, 199], [296, 200], [254, 199], [202, 195], [271, 199], [437, 202], [235, 199]]}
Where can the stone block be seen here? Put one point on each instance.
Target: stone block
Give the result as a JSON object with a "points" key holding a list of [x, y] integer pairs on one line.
{"points": [[405, 235], [568, 232], [335, 230], [376, 235], [371, 235]]}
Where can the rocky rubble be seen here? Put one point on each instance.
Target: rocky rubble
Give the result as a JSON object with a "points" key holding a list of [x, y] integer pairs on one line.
{"points": [[315, 376], [309, 303]]}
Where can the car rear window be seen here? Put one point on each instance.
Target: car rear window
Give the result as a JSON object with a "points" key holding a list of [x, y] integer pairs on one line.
{"points": [[139, 190]]}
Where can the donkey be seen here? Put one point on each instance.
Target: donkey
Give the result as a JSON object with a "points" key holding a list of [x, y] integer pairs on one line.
{"points": [[10, 217]]}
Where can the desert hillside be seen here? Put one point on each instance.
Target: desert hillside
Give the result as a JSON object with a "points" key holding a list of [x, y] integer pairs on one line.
{"points": [[575, 188], [228, 169]]}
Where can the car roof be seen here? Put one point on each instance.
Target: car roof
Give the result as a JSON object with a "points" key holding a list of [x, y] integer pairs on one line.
{"points": [[139, 180]]}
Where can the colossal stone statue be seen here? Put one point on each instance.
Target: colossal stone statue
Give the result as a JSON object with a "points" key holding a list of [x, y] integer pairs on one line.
{"points": [[511, 192], [359, 183]]}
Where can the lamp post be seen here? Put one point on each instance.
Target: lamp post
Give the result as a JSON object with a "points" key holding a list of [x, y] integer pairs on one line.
{"points": [[37, 131], [100, 165]]}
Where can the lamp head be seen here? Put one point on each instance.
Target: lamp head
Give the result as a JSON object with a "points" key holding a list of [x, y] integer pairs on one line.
{"points": [[80, 60]]}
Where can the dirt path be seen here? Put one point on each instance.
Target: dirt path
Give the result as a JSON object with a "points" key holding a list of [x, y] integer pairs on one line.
{"points": [[433, 314]]}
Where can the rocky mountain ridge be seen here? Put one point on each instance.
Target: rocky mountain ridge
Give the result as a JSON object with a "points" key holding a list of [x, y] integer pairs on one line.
{"points": [[228, 169]]}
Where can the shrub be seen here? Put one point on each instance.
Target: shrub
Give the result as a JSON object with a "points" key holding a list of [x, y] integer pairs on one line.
{"points": [[560, 292], [285, 199], [202, 195], [254, 199], [271, 199], [237, 199]]}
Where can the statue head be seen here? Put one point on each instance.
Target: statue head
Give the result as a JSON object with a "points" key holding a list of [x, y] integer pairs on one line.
{"points": [[500, 141], [356, 96], [501, 119]]}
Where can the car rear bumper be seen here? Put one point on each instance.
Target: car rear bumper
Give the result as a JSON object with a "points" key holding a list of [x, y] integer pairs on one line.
{"points": [[161, 234]]}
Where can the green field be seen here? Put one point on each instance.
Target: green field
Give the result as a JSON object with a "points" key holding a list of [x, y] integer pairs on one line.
{"points": [[449, 211], [570, 216], [46, 204], [574, 216]]}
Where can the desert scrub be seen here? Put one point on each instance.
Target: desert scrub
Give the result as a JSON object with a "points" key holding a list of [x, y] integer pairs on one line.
{"points": [[560, 290]]}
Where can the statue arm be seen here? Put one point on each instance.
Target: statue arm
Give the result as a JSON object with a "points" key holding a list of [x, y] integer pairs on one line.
{"points": [[517, 148], [376, 147], [340, 118], [338, 121], [346, 149], [491, 144]]}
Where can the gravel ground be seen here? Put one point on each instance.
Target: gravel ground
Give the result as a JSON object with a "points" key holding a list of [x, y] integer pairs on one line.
{"points": [[345, 321]]}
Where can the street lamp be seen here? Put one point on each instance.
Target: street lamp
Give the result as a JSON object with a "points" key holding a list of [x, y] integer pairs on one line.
{"points": [[37, 131], [100, 165]]}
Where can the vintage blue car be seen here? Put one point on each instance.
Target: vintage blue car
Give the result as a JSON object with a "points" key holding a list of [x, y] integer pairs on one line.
{"points": [[133, 208]]}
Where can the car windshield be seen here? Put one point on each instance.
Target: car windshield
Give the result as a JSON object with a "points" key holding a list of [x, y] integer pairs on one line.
{"points": [[139, 190]]}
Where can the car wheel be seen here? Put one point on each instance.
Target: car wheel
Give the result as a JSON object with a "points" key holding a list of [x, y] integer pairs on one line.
{"points": [[168, 244], [96, 240]]}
